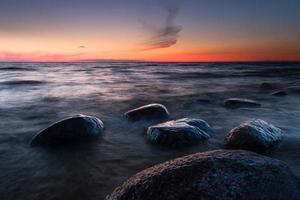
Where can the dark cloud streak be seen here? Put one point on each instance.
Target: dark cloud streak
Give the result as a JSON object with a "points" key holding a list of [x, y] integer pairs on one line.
{"points": [[166, 36]]}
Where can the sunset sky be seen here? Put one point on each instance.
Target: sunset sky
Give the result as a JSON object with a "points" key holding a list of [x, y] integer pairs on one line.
{"points": [[152, 30]]}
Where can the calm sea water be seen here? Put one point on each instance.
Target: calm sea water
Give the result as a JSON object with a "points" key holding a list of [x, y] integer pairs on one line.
{"points": [[33, 95]]}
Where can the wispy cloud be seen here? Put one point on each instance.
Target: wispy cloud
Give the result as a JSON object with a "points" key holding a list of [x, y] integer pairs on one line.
{"points": [[82, 47], [167, 35]]}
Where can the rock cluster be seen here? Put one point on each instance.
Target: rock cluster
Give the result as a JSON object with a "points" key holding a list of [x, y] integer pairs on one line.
{"points": [[219, 174]]}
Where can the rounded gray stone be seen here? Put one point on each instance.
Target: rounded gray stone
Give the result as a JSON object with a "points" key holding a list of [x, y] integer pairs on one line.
{"points": [[74, 129], [214, 175], [256, 135], [148, 112], [178, 133]]}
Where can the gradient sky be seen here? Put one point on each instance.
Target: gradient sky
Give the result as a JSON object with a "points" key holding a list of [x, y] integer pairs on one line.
{"points": [[155, 30]]}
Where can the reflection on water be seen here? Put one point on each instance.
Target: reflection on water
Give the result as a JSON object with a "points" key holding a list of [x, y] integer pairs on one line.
{"points": [[33, 95]]}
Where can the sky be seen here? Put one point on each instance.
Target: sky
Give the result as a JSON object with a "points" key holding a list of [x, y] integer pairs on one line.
{"points": [[150, 30]]}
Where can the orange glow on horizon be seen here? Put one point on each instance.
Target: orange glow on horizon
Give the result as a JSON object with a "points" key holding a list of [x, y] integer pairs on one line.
{"points": [[176, 53], [61, 48], [225, 57], [168, 57]]}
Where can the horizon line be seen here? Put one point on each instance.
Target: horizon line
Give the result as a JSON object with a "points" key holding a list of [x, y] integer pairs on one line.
{"points": [[148, 61]]}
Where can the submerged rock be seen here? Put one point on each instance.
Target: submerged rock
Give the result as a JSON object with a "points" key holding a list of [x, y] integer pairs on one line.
{"points": [[293, 90], [220, 174], [279, 93], [148, 112], [239, 103], [73, 129], [181, 132], [256, 135], [270, 86]]}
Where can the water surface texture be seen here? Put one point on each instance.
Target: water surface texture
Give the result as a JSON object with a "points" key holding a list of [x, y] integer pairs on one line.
{"points": [[34, 95]]}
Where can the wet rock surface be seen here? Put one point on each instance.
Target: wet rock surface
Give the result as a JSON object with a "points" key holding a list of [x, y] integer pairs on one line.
{"points": [[148, 112], [179, 133], [71, 130], [219, 174], [240, 103], [256, 135]]}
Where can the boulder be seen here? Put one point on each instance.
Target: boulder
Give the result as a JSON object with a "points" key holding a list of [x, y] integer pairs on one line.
{"points": [[148, 112], [239, 103], [256, 135], [74, 129], [219, 174], [178, 133]]}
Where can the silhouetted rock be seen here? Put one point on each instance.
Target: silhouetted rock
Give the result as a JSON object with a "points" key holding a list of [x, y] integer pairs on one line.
{"points": [[148, 112], [181, 132], [74, 129], [279, 93], [239, 103], [256, 135], [220, 174]]}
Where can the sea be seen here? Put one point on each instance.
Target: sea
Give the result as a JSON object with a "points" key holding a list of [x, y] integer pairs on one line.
{"points": [[34, 95]]}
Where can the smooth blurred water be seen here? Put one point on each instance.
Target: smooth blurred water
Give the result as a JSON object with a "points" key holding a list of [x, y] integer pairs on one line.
{"points": [[33, 95]]}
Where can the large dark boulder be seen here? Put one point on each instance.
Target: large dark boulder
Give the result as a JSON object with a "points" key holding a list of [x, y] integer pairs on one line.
{"points": [[148, 112], [179, 133], [239, 103], [220, 175], [74, 129], [256, 135]]}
